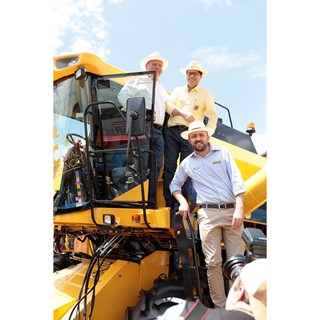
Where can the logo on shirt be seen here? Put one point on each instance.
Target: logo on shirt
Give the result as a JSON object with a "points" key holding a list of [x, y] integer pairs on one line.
{"points": [[216, 161], [196, 168], [195, 106]]}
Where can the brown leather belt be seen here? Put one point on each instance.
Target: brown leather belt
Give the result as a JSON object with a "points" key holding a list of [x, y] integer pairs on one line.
{"points": [[155, 125], [217, 205], [179, 127]]}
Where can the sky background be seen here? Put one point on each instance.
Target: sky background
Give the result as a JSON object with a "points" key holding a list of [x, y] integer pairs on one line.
{"points": [[227, 36]]}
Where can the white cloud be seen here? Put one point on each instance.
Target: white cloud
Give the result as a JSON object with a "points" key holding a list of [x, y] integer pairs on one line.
{"points": [[219, 2], [215, 58], [257, 71], [80, 26], [115, 1]]}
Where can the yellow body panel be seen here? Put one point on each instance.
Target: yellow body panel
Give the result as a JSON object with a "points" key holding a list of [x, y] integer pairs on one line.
{"points": [[256, 194], [90, 62], [151, 267], [118, 286], [159, 218], [248, 162]]}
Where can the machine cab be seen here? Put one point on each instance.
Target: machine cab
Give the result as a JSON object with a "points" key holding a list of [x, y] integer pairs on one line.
{"points": [[101, 145]]}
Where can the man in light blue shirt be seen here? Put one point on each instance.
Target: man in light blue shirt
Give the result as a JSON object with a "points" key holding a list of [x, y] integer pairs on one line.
{"points": [[220, 188]]}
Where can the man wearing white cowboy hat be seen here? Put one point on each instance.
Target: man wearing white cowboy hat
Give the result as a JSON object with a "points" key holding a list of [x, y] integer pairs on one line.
{"points": [[185, 104], [142, 86], [220, 188]]}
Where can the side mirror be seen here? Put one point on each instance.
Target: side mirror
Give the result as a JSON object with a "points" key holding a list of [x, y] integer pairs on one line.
{"points": [[136, 116]]}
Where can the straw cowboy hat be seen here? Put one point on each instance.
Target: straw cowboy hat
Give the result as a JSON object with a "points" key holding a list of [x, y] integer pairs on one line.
{"points": [[196, 126], [254, 279], [194, 65], [154, 56]]}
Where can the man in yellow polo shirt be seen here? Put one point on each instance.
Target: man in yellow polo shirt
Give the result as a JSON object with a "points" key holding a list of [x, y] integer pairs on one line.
{"points": [[185, 104]]}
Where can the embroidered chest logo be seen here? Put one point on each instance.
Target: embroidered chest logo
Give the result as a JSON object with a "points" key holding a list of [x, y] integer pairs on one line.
{"points": [[195, 106], [216, 161]]}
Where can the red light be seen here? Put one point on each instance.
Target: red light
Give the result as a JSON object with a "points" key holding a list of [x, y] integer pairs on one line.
{"points": [[135, 218]]}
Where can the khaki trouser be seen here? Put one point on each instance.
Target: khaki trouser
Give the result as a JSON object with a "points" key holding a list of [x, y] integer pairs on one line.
{"points": [[215, 227]]}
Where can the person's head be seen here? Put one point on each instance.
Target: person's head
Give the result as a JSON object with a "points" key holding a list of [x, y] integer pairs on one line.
{"points": [[198, 135], [250, 287], [194, 72], [154, 62]]}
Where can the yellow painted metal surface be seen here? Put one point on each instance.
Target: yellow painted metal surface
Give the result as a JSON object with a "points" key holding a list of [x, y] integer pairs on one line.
{"points": [[153, 266], [256, 194], [77, 218], [248, 162], [90, 62], [62, 304], [118, 287], [159, 218]]}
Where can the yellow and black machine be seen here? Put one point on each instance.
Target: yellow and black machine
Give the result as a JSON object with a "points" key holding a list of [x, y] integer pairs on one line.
{"points": [[118, 256]]}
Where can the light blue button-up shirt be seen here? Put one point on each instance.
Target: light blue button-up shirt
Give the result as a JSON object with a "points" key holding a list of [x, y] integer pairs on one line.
{"points": [[216, 177]]}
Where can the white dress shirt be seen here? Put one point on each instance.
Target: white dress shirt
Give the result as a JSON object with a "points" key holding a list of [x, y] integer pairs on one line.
{"points": [[142, 87]]}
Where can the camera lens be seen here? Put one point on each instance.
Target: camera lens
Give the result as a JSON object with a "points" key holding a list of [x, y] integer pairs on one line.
{"points": [[233, 267]]}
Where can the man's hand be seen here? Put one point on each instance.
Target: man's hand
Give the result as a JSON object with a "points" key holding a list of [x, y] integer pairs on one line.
{"points": [[237, 220], [183, 203], [184, 209], [188, 116], [238, 215]]}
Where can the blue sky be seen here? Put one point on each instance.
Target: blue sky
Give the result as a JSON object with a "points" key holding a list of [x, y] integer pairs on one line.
{"points": [[227, 36]]}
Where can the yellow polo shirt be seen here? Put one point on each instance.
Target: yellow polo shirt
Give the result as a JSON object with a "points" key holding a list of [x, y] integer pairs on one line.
{"points": [[198, 101]]}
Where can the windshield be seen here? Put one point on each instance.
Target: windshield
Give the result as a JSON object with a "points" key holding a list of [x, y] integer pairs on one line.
{"points": [[70, 97]]}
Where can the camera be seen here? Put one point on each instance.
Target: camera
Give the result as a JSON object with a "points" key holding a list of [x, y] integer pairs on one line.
{"points": [[256, 247]]}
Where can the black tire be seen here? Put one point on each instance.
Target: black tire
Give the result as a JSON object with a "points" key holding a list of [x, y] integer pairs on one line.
{"points": [[156, 301]]}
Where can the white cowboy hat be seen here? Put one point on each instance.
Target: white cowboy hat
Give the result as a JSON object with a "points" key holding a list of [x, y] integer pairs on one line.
{"points": [[154, 56], [194, 65], [196, 126], [254, 279]]}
